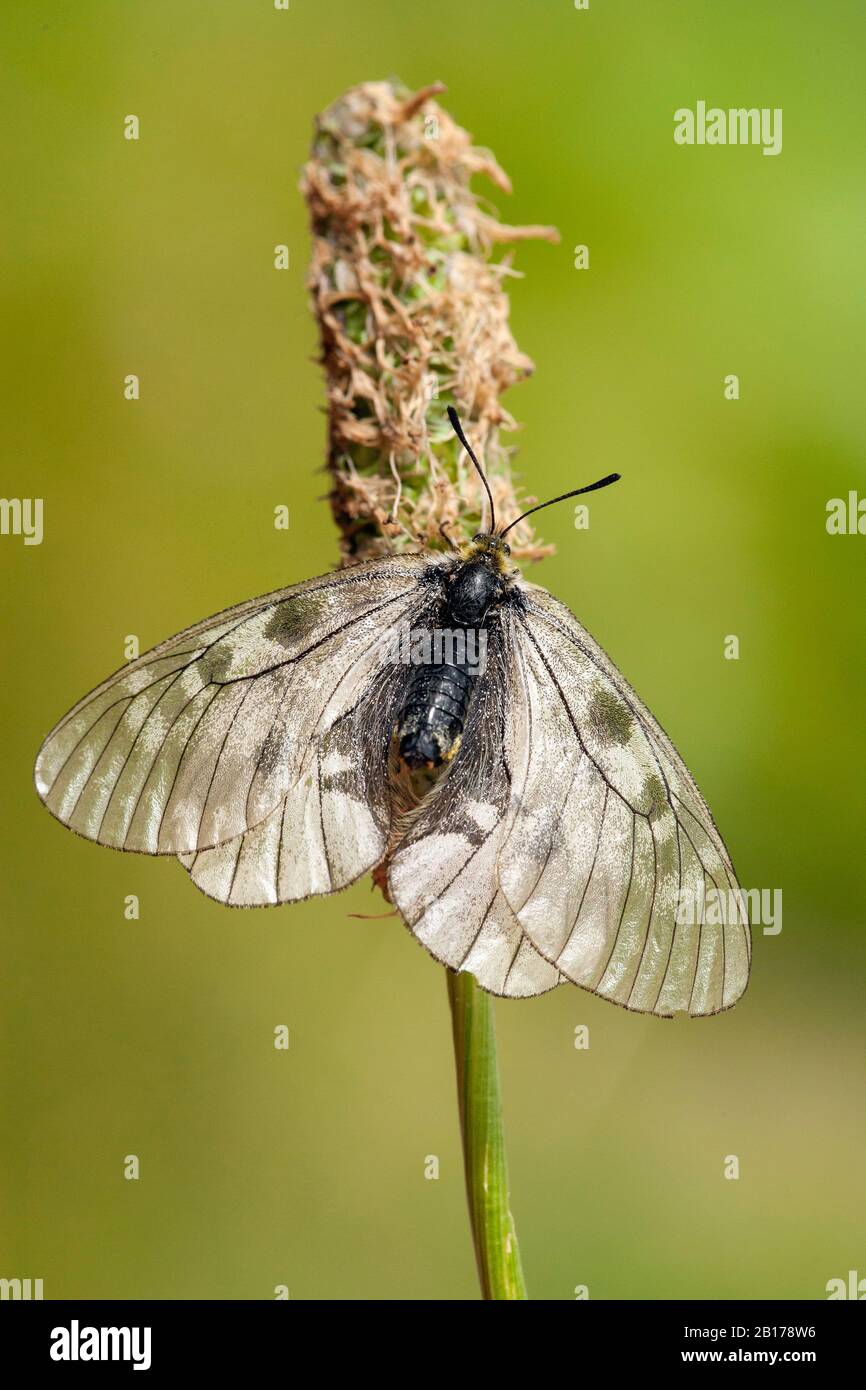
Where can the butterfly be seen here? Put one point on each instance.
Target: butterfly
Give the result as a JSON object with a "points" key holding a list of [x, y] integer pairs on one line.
{"points": [[522, 809]]}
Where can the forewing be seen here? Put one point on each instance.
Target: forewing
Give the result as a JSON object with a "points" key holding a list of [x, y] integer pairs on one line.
{"points": [[608, 834], [443, 876], [199, 740]]}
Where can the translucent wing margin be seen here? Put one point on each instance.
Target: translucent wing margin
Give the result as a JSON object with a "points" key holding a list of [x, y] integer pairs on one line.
{"points": [[609, 839], [202, 739]]}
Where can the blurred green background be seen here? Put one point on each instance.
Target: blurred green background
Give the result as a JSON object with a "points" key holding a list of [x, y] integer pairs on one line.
{"points": [[155, 1037]]}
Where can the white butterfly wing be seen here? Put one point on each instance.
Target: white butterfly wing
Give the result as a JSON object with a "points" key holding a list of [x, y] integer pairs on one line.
{"points": [[607, 834], [334, 822], [443, 876], [558, 845], [202, 739]]}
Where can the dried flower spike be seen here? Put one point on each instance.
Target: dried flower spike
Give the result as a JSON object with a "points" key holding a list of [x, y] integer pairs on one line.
{"points": [[413, 317]]}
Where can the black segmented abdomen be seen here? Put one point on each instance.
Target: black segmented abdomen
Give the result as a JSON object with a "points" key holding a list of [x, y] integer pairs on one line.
{"points": [[434, 711]]}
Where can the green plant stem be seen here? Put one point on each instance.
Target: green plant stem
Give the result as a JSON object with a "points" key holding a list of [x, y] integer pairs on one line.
{"points": [[413, 316], [493, 1233]]}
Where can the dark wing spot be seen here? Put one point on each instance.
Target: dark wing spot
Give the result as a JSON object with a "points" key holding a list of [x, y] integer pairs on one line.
{"points": [[345, 783], [275, 750], [610, 716], [655, 796], [217, 664], [294, 619]]}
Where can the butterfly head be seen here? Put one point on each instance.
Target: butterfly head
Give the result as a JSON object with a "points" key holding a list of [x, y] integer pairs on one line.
{"points": [[489, 547]]}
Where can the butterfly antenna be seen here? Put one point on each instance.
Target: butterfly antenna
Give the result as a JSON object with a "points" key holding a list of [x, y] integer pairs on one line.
{"points": [[458, 430], [591, 487]]}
